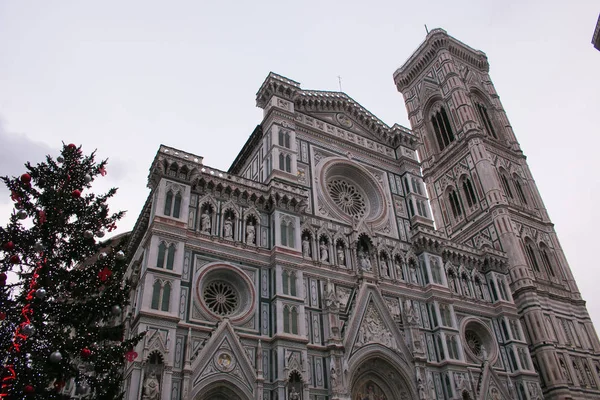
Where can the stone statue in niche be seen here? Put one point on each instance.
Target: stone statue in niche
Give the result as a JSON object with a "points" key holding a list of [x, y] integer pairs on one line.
{"points": [[305, 247], [331, 300], [151, 387], [340, 255], [228, 228], [413, 273], [324, 252], [394, 307], [399, 271], [383, 268], [465, 286], [250, 233], [205, 223], [363, 260], [294, 395], [421, 389], [333, 376], [411, 315]]}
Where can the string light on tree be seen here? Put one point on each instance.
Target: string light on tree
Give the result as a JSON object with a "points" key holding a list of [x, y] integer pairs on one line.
{"points": [[61, 313]]}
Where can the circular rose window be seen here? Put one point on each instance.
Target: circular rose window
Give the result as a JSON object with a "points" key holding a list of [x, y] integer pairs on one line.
{"points": [[479, 340], [351, 192], [221, 298], [473, 341], [347, 197], [224, 291]]}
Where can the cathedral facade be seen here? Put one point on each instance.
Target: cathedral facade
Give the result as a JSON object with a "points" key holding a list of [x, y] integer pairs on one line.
{"points": [[342, 258]]}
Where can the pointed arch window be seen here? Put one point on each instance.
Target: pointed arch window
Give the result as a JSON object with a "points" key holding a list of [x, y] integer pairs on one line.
{"points": [[156, 288], [177, 205], [520, 192], [284, 138], [168, 203], [442, 128], [485, 119], [166, 296], [531, 256], [452, 347], [454, 204], [281, 162], [506, 186], [288, 163], [288, 233], [290, 320], [546, 260], [171, 257], [162, 249], [469, 192]]}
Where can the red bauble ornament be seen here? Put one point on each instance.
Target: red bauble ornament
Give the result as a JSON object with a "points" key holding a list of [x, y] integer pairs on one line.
{"points": [[85, 352], [131, 355], [25, 178], [2, 278], [29, 389], [58, 385], [2, 315], [76, 193], [104, 274], [9, 246], [15, 259], [72, 146]]}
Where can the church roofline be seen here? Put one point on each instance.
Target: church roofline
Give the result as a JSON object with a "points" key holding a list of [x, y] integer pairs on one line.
{"points": [[596, 37], [434, 41], [246, 151], [308, 100]]}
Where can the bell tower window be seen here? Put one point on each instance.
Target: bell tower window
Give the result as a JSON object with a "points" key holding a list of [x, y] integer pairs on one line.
{"points": [[454, 204], [520, 192], [469, 192], [485, 119], [506, 186], [442, 128]]}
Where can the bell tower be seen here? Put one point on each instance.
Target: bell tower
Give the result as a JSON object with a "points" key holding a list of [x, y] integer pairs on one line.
{"points": [[482, 194]]}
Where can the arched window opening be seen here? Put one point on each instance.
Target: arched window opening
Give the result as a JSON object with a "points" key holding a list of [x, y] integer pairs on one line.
{"points": [[294, 316], [281, 162], [286, 319], [520, 192], [162, 249], [288, 163], [171, 257], [523, 359], [485, 119], [504, 329], [532, 257], [442, 128], [513, 361], [454, 204], [446, 315], [177, 205], [284, 138], [448, 386], [168, 203], [546, 260], [166, 296], [506, 186], [469, 192], [293, 284], [285, 280], [440, 347], [156, 288]]}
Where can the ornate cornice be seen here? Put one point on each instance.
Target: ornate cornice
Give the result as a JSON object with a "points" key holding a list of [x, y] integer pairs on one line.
{"points": [[328, 101], [435, 41]]}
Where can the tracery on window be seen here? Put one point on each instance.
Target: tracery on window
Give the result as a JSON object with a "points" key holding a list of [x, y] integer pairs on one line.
{"points": [[442, 128], [347, 197], [221, 297]]}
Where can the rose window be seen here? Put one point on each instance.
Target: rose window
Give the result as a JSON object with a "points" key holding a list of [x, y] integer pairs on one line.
{"points": [[474, 342], [347, 197], [221, 298]]}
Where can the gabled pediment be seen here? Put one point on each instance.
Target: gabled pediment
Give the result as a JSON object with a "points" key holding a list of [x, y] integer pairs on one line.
{"points": [[336, 123], [491, 387], [372, 324], [223, 354]]}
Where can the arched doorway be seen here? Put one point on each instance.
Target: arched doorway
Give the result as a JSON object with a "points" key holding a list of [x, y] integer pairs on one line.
{"points": [[221, 392], [223, 389], [378, 379]]}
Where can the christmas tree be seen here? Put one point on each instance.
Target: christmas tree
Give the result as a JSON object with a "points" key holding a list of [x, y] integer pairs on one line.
{"points": [[62, 291]]}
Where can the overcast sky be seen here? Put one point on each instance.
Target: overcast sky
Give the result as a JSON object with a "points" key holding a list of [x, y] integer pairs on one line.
{"points": [[125, 76]]}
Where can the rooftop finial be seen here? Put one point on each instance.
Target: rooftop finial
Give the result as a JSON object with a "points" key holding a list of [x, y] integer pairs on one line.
{"points": [[340, 82], [426, 29]]}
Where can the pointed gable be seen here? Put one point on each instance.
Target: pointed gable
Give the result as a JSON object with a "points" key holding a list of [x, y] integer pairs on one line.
{"points": [[224, 356], [371, 323]]}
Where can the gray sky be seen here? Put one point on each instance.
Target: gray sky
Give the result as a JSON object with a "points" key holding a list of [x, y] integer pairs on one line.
{"points": [[126, 76]]}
